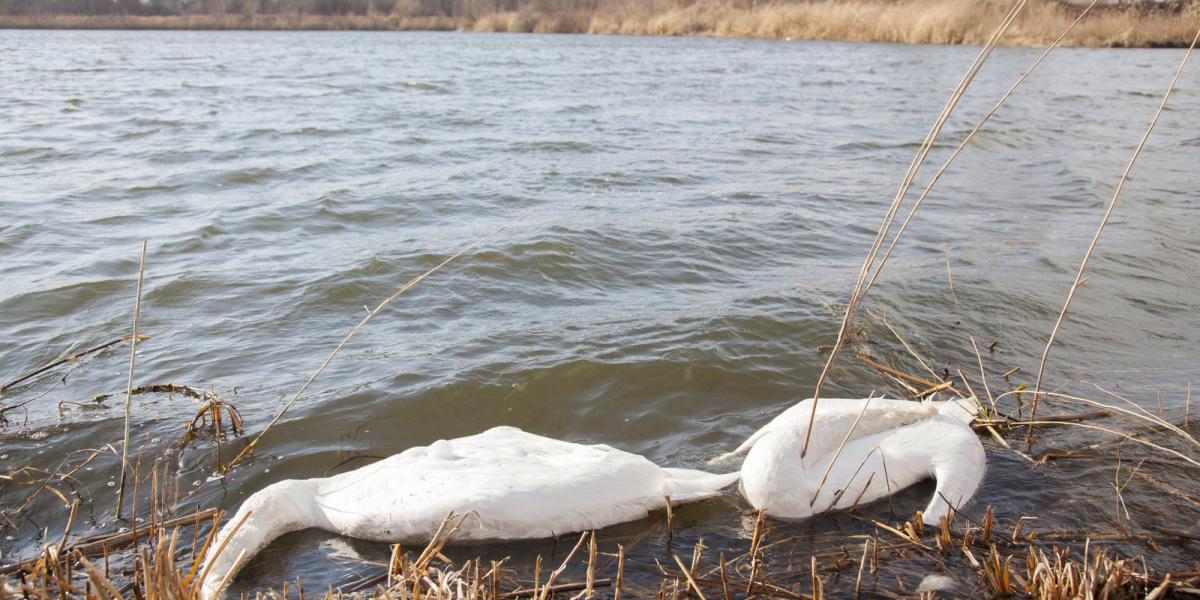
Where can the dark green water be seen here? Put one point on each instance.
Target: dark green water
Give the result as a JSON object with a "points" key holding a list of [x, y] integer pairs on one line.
{"points": [[700, 208]]}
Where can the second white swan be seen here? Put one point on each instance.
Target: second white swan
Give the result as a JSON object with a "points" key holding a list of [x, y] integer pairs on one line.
{"points": [[892, 445]]}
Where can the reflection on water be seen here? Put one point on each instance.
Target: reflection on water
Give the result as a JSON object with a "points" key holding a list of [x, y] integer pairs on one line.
{"points": [[700, 208]]}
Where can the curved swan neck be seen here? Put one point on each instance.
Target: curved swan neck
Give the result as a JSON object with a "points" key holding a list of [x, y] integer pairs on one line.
{"points": [[958, 470], [955, 487], [275, 510]]}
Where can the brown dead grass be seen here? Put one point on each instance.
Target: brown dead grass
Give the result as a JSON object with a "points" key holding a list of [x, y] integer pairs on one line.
{"points": [[914, 22], [1009, 562], [891, 21]]}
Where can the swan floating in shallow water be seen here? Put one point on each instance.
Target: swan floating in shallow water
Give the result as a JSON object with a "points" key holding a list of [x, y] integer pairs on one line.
{"points": [[894, 444], [517, 485]]}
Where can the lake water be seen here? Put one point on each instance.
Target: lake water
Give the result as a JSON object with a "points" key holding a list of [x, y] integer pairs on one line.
{"points": [[697, 212]]}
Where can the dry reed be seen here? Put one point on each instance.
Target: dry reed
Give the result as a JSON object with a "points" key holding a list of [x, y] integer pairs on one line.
{"points": [[1091, 249], [914, 22], [962, 145], [67, 359], [370, 314], [862, 284], [1014, 560], [133, 345]]}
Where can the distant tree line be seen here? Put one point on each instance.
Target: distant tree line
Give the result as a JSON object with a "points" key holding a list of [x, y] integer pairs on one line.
{"points": [[468, 9], [405, 8]]}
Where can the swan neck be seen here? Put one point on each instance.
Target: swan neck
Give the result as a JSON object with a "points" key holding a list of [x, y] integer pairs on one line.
{"points": [[275, 510]]}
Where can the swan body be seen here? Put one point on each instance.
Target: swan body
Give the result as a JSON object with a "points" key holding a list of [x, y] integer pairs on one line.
{"points": [[515, 485], [895, 444]]}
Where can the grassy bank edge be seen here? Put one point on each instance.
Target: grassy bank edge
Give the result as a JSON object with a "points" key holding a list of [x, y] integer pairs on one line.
{"points": [[951, 22]]}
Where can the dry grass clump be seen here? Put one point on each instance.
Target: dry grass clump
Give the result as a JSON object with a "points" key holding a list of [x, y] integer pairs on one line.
{"points": [[535, 22], [162, 569], [893, 21], [1054, 574]]}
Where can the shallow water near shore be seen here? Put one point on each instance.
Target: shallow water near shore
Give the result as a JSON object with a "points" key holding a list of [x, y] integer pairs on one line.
{"points": [[697, 212]]}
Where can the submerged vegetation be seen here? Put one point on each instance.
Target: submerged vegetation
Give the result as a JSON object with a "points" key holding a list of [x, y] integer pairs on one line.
{"points": [[897, 21]]}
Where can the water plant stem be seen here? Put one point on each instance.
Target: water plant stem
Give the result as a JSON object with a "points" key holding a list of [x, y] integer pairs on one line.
{"points": [[133, 345]]}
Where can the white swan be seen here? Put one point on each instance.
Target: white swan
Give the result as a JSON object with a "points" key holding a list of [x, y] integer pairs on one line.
{"points": [[895, 444], [517, 485]]}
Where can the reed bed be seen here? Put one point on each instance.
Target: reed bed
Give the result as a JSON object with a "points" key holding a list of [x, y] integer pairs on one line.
{"points": [[912, 22], [892, 21]]}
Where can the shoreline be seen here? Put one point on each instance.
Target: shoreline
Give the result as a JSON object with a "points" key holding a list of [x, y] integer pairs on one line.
{"points": [[937, 22]]}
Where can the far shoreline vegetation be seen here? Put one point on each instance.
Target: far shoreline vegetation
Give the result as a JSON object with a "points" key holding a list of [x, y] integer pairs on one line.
{"points": [[1146, 23]]}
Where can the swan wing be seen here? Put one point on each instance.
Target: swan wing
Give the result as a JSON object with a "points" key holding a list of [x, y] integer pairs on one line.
{"points": [[792, 417], [514, 484], [837, 417]]}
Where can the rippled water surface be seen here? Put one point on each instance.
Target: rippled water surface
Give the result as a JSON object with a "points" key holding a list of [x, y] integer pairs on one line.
{"points": [[697, 212]]}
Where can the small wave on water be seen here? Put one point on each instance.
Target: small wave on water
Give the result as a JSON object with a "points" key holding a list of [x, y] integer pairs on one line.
{"points": [[548, 146], [465, 122], [78, 70], [42, 153], [581, 109], [247, 176], [425, 86], [152, 189]]}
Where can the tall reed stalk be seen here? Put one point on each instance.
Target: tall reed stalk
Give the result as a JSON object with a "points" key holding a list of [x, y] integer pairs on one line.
{"points": [[133, 346], [370, 314], [860, 284], [1112, 205], [967, 140]]}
